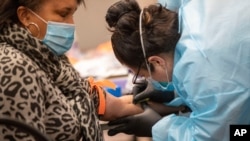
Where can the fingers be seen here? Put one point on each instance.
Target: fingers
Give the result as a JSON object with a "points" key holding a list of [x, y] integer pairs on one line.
{"points": [[162, 96], [154, 95], [137, 89], [145, 94], [118, 121], [119, 129], [121, 126], [140, 98]]}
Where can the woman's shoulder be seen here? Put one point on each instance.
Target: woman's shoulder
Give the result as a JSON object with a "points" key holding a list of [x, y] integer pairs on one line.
{"points": [[11, 55], [19, 71], [14, 61]]}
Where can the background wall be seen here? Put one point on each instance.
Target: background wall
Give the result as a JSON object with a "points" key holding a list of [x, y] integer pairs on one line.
{"points": [[91, 25]]}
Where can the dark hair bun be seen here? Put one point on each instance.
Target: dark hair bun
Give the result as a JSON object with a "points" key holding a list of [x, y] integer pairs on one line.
{"points": [[118, 10]]}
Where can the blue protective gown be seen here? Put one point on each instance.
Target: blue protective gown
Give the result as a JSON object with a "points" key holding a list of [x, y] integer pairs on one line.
{"points": [[211, 70]]}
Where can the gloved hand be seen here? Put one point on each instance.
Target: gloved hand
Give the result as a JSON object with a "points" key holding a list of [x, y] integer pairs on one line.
{"points": [[139, 125], [146, 91]]}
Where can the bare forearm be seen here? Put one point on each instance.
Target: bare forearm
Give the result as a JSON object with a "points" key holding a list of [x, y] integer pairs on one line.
{"points": [[117, 107]]}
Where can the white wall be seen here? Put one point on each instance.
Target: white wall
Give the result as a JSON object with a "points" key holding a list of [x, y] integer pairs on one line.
{"points": [[90, 22]]}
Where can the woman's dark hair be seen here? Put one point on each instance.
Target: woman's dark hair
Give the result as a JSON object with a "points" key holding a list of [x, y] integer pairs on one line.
{"points": [[159, 31], [8, 8]]}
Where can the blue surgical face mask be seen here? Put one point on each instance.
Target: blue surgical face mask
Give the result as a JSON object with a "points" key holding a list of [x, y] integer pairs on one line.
{"points": [[162, 86], [59, 36]]}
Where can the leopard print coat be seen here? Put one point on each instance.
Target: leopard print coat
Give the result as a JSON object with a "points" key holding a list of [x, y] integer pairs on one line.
{"points": [[43, 90]]}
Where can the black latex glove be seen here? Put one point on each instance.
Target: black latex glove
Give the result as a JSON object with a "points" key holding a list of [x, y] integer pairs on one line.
{"points": [[145, 91], [139, 125]]}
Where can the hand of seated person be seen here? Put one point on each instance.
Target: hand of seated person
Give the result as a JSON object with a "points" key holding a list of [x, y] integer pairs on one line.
{"points": [[139, 125]]}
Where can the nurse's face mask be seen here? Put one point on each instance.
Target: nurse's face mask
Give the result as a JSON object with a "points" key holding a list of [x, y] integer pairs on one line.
{"points": [[162, 86]]}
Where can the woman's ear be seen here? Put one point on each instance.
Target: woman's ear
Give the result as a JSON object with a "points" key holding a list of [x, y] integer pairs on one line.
{"points": [[156, 60], [23, 15]]}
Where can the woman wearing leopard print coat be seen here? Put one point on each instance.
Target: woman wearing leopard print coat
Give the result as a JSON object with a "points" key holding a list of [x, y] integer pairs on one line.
{"points": [[38, 85]]}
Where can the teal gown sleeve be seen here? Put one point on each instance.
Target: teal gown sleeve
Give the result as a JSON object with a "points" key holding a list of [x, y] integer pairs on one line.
{"points": [[211, 70]]}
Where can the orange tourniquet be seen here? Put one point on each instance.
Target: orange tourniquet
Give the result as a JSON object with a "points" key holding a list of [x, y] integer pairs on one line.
{"points": [[98, 85]]}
